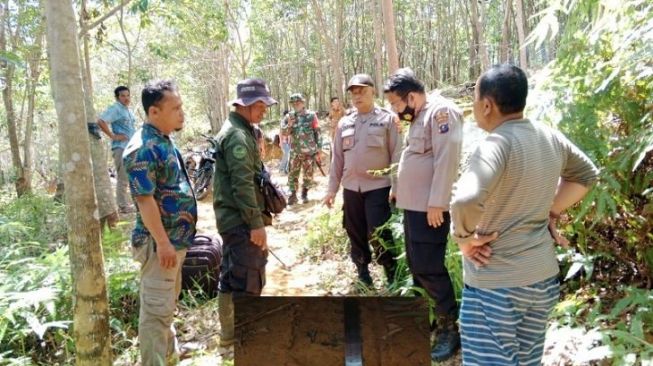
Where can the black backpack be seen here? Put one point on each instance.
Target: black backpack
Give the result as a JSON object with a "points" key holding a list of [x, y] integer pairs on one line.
{"points": [[201, 268]]}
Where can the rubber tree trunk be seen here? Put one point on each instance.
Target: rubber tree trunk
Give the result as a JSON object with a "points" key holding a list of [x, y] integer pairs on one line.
{"points": [[91, 313], [390, 36], [521, 34]]}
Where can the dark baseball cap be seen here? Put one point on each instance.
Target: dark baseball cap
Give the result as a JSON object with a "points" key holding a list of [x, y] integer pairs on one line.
{"points": [[360, 80], [250, 91]]}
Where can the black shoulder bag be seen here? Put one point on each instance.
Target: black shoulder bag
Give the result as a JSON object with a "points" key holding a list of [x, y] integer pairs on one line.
{"points": [[273, 197]]}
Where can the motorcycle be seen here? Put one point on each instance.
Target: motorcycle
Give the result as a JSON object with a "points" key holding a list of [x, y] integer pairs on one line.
{"points": [[200, 165]]}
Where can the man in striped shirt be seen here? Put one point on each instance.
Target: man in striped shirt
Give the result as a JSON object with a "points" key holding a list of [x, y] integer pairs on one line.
{"points": [[504, 210]]}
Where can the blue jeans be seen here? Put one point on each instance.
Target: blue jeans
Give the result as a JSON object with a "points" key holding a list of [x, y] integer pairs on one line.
{"points": [[285, 159]]}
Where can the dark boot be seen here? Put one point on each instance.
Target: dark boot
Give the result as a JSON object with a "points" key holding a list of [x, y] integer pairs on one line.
{"points": [[304, 195], [390, 273], [364, 275], [447, 339], [292, 200]]}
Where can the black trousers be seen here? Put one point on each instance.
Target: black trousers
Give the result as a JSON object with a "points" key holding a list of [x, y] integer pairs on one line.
{"points": [[425, 251], [363, 213], [243, 264]]}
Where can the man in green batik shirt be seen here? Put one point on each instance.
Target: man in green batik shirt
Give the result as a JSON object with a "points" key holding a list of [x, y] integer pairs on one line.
{"points": [[303, 126]]}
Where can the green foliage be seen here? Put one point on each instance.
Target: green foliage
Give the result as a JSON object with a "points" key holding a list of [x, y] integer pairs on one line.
{"points": [[625, 324], [603, 79], [603, 86], [326, 239], [404, 280], [36, 303], [34, 277]]}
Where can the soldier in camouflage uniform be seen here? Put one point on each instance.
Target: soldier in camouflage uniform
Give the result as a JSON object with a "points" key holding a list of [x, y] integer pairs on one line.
{"points": [[303, 126]]}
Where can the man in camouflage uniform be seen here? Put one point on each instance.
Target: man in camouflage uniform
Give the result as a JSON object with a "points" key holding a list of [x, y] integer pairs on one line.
{"points": [[303, 126]]}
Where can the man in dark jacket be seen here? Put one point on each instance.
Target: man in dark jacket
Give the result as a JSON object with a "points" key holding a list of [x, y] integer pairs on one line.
{"points": [[238, 203]]}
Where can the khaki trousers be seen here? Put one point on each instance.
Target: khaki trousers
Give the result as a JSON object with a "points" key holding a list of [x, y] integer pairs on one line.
{"points": [[159, 291], [122, 182]]}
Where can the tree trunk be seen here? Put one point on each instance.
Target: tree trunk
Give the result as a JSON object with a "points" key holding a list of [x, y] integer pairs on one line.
{"points": [[34, 68], [390, 36], [505, 32], [104, 192], [378, 46], [127, 46], [334, 49], [8, 99], [521, 34], [479, 23], [91, 313], [474, 69]]}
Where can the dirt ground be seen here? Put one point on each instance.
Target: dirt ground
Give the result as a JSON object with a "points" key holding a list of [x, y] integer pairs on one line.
{"points": [[297, 331]]}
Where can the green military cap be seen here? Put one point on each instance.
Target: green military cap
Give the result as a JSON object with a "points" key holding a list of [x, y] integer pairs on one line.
{"points": [[296, 98]]}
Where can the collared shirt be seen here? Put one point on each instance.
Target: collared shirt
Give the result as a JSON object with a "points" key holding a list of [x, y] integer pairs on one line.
{"points": [[429, 161], [508, 188], [237, 199], [334, 117], [154, 167], [304, 133], [122, 122], [364, 145]]}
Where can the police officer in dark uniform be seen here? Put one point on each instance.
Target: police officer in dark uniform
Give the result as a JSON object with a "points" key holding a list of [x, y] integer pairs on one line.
{"points": [[366, 140], [238, 203]]}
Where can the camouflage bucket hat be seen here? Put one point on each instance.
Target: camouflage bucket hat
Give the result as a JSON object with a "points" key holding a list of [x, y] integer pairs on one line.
{"points": [[297, 97]]}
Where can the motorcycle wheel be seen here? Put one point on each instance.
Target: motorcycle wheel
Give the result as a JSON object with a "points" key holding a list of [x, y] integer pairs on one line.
{"points": [[203, 185]]}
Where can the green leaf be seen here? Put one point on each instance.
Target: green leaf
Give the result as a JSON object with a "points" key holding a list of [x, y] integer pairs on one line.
{"points": [[620, 306], [637, 327]]}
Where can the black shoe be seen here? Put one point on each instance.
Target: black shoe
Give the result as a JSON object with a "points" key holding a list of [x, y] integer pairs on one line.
{"points": [[305, 195], [390, 273], [292, 199], [446, 345], [364, 275]]}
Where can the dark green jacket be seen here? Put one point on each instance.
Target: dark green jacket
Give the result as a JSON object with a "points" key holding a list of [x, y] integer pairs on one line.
{"points": [[236, 198]]}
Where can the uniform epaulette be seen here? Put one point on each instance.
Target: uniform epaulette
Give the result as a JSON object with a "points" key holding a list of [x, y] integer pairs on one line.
{"points": [[350, 111], [386, 110]]}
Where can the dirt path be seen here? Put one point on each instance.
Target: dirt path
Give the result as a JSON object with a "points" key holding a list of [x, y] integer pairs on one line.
{"points": [[295, 277]]}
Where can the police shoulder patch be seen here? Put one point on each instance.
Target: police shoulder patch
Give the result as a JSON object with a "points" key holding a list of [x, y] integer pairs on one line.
{"points": [[239, 151], [442, 116], [443, 127]]}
